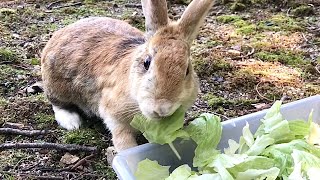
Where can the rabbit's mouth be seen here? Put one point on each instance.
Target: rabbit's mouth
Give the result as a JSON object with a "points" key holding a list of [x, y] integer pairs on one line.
{"points": [[159, 109]]}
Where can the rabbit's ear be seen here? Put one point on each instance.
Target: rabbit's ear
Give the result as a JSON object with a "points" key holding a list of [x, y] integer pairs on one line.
{"points": [[193, 18], [156, 14]]}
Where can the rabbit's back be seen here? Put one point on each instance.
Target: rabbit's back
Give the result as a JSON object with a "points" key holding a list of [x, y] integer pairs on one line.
{"points": [[85, 57]]}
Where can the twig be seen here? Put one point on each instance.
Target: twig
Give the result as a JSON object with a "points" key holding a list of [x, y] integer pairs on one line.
{"points": [[256, 88], [53, 4], [82, 161], [30, 167], [23, 132], [33, 176], [316, 67], [62, 147], [217, 114], [288, 12], [6, 62], [305, 38], [247, 55], [133, 6], [68, 5]]}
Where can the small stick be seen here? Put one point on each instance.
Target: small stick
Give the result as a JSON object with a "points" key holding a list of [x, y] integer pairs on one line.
{"points": [[256, 88], [82, 161], [53, 4], [68, 5], [23, 132], [33, 176], [133, 5], [62, 147]]}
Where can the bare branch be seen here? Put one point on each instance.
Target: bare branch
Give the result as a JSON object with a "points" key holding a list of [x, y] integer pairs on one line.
{"points": [[81, 162], [62, 147], [32, 176], [23, 132]]}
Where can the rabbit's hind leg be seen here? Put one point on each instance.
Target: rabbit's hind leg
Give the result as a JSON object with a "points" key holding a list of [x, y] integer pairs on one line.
{"points": [[66, 117]]}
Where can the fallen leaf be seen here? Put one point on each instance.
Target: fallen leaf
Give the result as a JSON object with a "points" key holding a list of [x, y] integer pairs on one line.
{"points": [[69, 159], [260, 105]]}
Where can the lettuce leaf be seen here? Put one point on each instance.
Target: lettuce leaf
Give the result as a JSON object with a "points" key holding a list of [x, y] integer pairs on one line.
{"points": [[162, 131], [262, 174], [278, 149], [151, 170], [182, 172], [205, 131]]}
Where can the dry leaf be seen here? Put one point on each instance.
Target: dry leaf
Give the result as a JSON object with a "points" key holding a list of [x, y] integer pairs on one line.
{"points": [[69, 159]]}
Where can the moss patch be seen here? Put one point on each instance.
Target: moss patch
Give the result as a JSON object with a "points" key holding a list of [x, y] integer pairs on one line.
{"points": [[284, 57], [85, 136], [281, 22], [228, 18], [11, 79], [303, 10], [237, 6], [208, 67], [7, 55]]}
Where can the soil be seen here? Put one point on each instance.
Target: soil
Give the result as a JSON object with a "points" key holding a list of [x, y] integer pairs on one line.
{"points": [[246, 56]]}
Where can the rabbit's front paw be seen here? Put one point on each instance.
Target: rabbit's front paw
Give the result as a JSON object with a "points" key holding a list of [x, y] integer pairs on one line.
{"points": [[67, 119]]}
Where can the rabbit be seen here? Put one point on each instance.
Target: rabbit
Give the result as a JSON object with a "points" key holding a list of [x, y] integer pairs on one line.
{"points": [[109, 69]]}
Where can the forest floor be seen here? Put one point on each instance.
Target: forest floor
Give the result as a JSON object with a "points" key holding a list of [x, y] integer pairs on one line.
{"points": [[246, 56]]}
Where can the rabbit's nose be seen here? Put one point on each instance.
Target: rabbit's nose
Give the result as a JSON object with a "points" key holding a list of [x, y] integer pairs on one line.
{"points": [[163, 109]]}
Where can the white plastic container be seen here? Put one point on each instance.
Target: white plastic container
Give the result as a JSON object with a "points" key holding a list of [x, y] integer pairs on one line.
{"points": [[125, 163]]}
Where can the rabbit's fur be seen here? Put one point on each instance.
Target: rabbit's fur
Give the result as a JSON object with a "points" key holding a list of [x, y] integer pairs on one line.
{"points": [[98, 65]]}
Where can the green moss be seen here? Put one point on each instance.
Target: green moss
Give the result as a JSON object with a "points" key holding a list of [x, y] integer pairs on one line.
{"points": [[84, 136], [7, 55], [38, 98], [7, 11], [44, 120], [34, 61], [3, 101], [240, 23], [9, 77], [207, 67], [303, 10], [284, 57], [247, 29], [102, 169], [236, 6], [228, 18], [84, 11], [281, 22], [215, 101], [68, 21], [243, 27], [219, 103], [211, 43]]}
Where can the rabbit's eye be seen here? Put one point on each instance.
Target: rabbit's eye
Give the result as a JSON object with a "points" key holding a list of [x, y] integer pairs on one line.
{"points": [[187, 71], [147, 62]]}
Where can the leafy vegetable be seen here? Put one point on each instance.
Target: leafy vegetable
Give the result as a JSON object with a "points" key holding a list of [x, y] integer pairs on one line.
{"points": [[279, 149], [151, 170], [201, 131], [163, 131]]}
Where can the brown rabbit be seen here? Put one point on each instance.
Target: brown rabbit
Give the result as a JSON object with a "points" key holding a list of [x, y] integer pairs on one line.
{"points": [[109, 69]]}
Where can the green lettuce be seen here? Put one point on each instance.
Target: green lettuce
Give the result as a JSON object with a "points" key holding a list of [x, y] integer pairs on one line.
{"points": [[278, 149], [162, 131], [206, 132], [151, 170]]}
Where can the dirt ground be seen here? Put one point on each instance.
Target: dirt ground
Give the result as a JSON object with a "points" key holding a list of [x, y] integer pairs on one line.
{"points": [[248, 54]]}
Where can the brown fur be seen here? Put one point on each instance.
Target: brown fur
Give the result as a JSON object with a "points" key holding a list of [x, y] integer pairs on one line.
{"points": [[97, 64]]}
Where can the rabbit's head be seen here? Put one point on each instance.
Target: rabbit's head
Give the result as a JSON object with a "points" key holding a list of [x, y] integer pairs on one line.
{"points": [[162, 75]]}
